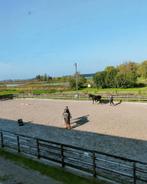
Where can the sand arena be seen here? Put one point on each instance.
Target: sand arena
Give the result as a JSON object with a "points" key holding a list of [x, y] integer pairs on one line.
{"points": [[125, 120]]}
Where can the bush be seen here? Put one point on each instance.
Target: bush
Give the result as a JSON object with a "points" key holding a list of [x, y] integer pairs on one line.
{"points": [[81, 82]]}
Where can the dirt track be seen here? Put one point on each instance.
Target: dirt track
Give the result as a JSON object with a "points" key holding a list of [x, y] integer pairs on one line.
{"points": [[124, 120]]}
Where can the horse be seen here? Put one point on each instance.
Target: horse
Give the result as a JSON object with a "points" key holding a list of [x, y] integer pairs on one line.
{"points": [[95, 98]]}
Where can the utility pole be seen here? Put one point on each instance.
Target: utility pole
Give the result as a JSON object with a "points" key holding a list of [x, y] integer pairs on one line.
{"points": [[76, 75]]}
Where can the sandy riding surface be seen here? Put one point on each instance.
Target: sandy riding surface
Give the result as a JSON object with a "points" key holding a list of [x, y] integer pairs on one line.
{"points": [[124, 120]]}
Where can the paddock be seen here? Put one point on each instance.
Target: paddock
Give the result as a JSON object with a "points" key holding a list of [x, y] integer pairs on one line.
{"points": [[128, 120]]}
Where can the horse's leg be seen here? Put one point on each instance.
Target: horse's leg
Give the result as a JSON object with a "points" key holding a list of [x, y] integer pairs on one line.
{"points": [[99, 100]]}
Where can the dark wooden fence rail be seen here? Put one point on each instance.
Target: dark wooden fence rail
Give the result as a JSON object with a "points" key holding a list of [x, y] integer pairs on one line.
{"points": [[6, 97], [114, 168]]}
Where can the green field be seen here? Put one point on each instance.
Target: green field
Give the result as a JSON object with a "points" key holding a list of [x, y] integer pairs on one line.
{"points": [[63, 88]]}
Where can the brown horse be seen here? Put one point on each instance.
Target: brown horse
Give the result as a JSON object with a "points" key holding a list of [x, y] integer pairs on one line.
{"points": [[95, 98]]}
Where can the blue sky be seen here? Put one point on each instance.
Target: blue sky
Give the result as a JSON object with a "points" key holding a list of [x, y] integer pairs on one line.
{"points": [[49, 36]]}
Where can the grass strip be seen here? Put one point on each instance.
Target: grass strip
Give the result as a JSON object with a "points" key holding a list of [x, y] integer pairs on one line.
{"points": [[58, 174]]}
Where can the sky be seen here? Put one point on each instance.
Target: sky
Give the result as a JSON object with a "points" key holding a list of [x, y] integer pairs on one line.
{"points": [[49, 36]]}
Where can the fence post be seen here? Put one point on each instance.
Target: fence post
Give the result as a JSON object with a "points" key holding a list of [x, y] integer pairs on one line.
{"points": [[18, 144], [2, 140], [94, 164], [62, 156], [38, 150], [134, 173]]}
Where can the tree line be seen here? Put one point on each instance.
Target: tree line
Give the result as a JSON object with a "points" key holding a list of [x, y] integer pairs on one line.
{"points": [[69, 79], [122, 76]]}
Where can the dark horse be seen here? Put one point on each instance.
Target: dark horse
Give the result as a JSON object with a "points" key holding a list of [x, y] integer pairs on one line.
{"points": [[95, 98]]}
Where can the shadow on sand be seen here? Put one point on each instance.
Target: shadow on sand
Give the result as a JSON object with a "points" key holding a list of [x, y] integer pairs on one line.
{"points": [[79, 121], [106, 101], [118, 103]]}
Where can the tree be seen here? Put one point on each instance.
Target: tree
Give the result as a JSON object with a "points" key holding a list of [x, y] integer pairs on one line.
{"points": [[38, 77], [81, 81], [124, 76], [111, 73], [127, 75], [124, 80], [142, 69], [44, 77], [100, 79]]}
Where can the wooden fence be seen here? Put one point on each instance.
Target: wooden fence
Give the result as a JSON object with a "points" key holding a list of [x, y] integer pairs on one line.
{"points": [[6, 97], [98, 164], [105, 97]]}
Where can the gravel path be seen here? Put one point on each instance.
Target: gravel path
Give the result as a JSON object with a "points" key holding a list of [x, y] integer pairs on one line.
{"points": [[11, 173], [124, 120]]}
